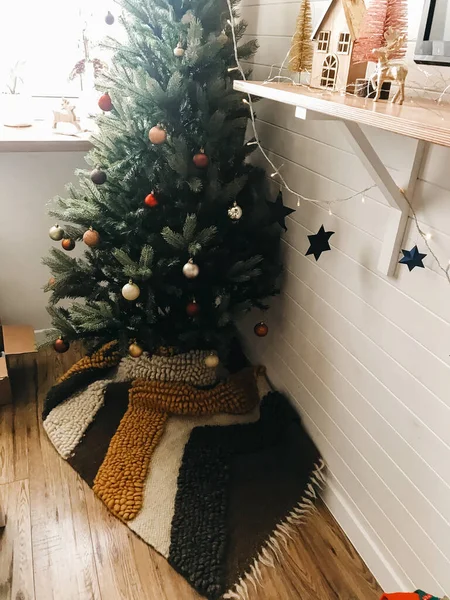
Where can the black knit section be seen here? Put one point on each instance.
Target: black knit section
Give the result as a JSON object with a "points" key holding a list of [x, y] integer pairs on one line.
{"points": [[199, 533]]}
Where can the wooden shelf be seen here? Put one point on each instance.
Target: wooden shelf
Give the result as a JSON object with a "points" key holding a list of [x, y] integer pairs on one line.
{"points": [[40, 137], [423, 120], [427, 123]]}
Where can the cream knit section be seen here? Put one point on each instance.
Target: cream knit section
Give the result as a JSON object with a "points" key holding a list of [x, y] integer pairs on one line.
{"points": [[154, 521], [187, 368], [67, 422]]}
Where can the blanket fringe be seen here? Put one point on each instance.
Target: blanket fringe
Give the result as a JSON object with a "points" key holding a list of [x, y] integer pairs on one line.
{"points": [[271, 552]]}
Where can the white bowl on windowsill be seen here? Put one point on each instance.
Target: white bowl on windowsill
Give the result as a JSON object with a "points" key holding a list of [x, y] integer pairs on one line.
{"points": [[15, 110]]}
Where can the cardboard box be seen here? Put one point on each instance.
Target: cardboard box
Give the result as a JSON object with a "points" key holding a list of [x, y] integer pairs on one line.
{"points": [[15, 339]]}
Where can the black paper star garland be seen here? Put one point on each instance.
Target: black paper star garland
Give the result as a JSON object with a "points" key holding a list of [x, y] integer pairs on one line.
{"points": [[319, 242], [279, 212], [413, 258]]}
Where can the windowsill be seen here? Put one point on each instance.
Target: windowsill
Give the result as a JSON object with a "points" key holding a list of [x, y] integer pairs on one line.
{"points": [[41, 137]]}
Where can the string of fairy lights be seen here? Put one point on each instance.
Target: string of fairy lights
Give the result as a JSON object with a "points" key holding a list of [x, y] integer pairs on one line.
{"points": [[328, 204]]}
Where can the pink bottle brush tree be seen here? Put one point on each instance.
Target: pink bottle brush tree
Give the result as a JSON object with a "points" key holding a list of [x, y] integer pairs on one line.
{"points": [[381, 16]]}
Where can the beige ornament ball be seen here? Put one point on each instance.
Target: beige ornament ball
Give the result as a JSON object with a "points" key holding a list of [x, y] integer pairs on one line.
{"points": [[212, 361], [179, 50], [131, 291], [235, 212], [157, 135], [56, 233], [135, 350], [91, 238], [191, 270]]}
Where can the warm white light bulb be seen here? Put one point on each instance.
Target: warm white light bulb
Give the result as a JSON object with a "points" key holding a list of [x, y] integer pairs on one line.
{"points": [[245, 101], [428, 236], [232, 69], [329, 211], [274, 174], [228, 21], [363, 199], [298, 201]]}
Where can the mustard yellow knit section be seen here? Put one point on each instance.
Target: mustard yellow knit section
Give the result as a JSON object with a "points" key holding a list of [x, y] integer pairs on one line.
{"points": [[121, 477], [105, 357]]}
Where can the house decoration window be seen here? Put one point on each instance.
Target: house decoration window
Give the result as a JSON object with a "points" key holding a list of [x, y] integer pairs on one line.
{"points": [[329, 71], [324, 41], [344, 43]]}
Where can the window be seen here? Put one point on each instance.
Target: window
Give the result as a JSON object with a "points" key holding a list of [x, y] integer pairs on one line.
{"points": [[41, 42], [329, 71], [344, 43], [324, 41]]}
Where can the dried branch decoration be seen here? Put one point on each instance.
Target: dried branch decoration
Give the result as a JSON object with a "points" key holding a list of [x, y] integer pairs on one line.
{"points": [[301, 54], [381, 17]]}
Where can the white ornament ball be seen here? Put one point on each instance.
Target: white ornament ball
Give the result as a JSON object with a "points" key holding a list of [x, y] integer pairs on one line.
{"points": [[179, 50], [187, 17], [191, 270], [235, 212], [130, 291], [212, 361], [56, 233]]}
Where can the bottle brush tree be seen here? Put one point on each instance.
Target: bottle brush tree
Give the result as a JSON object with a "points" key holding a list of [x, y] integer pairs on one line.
{"points": [[381, 17], [301, 53], [178, 235]]}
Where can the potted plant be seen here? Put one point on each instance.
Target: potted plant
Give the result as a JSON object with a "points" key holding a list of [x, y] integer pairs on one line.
{"points": [[15, 106]]}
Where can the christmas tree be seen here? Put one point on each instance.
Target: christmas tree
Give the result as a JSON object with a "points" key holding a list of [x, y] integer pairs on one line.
{"points": [[381, 17], [178, 235], [301, 54]]}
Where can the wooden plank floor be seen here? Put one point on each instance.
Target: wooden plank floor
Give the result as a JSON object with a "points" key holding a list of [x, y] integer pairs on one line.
{"points": [[60, 542]]}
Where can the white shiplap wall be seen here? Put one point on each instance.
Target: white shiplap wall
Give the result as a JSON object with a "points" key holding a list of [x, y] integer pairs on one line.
{"points": [[364, 357]]}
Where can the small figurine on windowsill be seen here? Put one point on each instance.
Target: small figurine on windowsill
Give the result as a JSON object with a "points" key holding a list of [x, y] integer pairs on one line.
{"points": [[386, 70], [66, 115]]}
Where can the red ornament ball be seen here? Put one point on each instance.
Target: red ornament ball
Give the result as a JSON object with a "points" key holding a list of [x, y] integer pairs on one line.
{"points": [[201, 161], [91, 238], [151, 200], [105, 102], [68, 244], [61, 346], [192, 309], [261, 329], [157, 134]]}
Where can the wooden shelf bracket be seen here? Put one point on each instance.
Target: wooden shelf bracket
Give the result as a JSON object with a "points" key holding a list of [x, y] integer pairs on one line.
{"points": [[395, 197]]}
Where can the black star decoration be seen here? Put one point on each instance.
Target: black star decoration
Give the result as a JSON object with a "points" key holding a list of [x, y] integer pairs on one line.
{"points": [[412, 258], [279, 212], [319, 242]]}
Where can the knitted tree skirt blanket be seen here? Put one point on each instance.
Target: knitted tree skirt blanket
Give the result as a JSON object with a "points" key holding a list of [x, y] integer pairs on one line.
{"points": [[213, 475]]}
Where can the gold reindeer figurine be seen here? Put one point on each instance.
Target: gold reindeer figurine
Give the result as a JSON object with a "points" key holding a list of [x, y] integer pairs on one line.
{"points": [[387, 71], [65, 115]]}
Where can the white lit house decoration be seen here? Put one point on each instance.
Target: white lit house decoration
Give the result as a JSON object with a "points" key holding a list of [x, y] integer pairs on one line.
{"points": [[333, 65]]}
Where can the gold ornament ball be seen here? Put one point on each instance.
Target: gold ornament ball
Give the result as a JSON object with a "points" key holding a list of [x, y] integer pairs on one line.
{"points": [[56, 233], [261, 329], [191, 270], [135, 350], [51, 281], [157, 135], [179, 50], [130, 291], [212, 361], [91, 238]]}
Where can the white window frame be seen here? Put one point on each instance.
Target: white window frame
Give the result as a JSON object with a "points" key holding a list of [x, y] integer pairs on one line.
{"points": [[344, 43], [326, 79], [323, 41]]}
